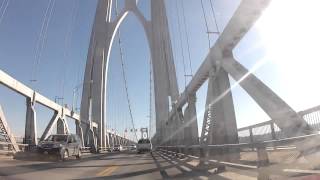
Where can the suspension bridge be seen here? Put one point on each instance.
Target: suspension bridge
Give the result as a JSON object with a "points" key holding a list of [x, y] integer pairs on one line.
{"points": [[285, 146]]}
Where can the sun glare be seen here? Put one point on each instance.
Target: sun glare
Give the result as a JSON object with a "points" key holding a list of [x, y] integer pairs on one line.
{"points": [[289, 31]]}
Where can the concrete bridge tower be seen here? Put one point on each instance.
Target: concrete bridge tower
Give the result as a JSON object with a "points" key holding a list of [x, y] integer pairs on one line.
{"points": [[96, 71]]}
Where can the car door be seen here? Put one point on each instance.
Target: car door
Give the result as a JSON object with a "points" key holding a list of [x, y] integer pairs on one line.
{"points": [[70, 145], [77, 144]]}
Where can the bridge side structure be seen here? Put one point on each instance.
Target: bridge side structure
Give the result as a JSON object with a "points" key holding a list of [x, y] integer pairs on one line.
{"points": [[33, 97], [96, 71], [219, 124], [60, 114]]}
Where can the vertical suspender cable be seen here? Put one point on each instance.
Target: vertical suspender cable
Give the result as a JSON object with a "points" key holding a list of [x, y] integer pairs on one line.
{"points": [[214, 17], [187, 36], [67, 45], [206, 22], [150, 96], [126, 84], [124, 77], [181, 44]]}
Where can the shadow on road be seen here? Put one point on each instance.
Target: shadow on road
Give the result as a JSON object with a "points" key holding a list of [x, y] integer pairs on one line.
{"points": [[194, 173], [43, 164]]}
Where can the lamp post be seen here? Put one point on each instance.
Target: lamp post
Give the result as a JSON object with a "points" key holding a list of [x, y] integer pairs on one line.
{"points": [[75, 90]]}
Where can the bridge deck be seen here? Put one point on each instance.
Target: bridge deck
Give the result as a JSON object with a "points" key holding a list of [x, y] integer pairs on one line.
{"points": [[126, 165]]}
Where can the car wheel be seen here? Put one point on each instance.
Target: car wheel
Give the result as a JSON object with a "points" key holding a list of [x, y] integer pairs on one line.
{"points": [[64, 155], [79, 154]]}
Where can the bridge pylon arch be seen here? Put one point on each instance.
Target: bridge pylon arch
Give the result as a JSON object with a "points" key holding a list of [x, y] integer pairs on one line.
{"points": [[94, 87]]}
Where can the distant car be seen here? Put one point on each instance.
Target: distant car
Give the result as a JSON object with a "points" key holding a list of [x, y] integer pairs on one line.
{"points": [[117, 147], [144, 145], [132, 147], [62, 145]]}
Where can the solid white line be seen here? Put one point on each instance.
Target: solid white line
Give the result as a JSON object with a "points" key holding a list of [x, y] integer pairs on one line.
{"points": [[302, 171], [236, 164], [193, 157]]}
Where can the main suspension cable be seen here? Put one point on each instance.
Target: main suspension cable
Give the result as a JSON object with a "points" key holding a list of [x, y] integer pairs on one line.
{"points": [[3, 9], [125, 77], [42, 39]]}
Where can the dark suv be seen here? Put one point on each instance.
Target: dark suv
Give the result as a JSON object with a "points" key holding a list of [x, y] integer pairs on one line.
{"points": [[62, 145]]}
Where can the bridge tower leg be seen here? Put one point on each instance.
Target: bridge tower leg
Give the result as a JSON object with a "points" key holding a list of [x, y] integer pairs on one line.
{"points": [[220, 125], [30, 136], [93, 97], [165, 80], [79, 131], [190, 120]]}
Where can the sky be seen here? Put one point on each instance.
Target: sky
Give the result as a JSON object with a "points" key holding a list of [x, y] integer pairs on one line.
{"points": [[281, 47]]}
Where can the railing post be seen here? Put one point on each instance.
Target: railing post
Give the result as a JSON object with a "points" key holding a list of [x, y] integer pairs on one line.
{"points": [[273, 132], [262, 154], [263, 161], [251, 138], [202, 155]]}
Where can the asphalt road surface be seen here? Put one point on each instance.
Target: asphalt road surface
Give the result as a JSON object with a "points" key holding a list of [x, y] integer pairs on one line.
{"points": [[124, 165]]}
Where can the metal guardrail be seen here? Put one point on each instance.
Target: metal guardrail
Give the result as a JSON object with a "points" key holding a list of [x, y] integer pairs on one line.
{"points": [[259, 147], [268, 130], [8, 147], [226, 154]]}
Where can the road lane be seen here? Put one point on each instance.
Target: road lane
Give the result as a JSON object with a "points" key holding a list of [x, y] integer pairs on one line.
{"points": [[124, 165]]}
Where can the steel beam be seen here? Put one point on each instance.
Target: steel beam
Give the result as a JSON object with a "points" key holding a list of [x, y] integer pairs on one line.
{"points": [[4, 127], [243, 19], [278, 110], [49, 127], [24, 90]]}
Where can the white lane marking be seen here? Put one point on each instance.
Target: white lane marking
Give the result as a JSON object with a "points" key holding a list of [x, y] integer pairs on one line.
{"points": [[302, 171], [193, 157], [185, 168]]}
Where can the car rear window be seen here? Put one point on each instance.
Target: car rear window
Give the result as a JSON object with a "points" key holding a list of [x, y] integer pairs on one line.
{"points": [[144, 141], [57, 138]]}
